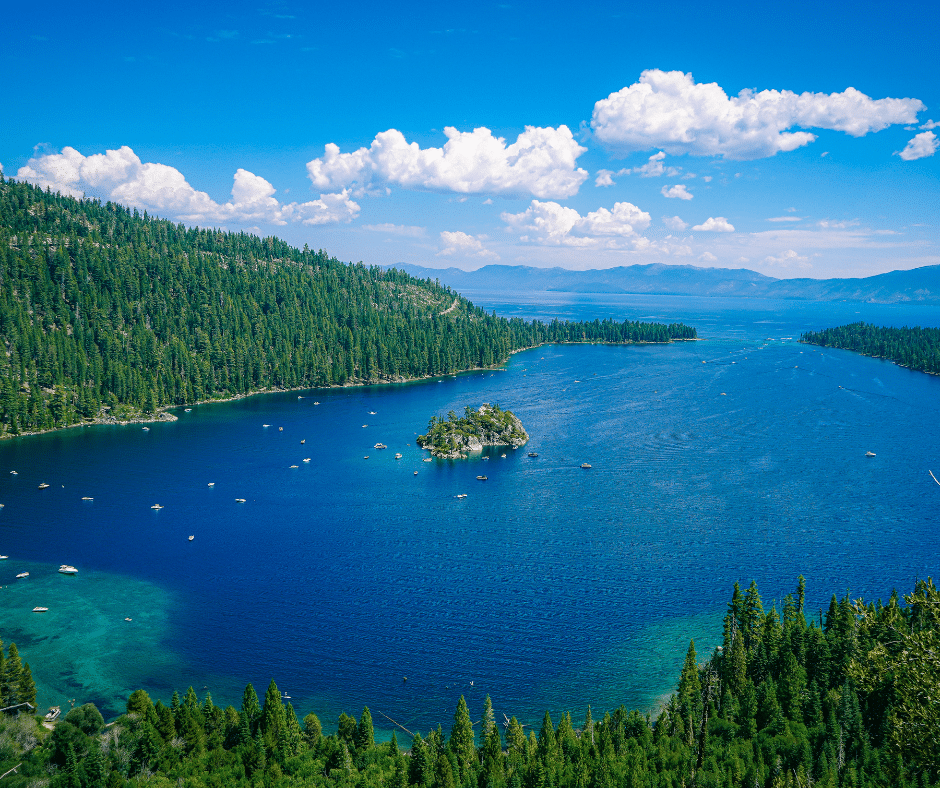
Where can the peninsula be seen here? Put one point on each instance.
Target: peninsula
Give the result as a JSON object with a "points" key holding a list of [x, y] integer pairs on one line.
{"points": [[459, 435]]}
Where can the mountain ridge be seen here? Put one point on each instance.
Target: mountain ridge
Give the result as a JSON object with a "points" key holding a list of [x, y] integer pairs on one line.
{"points": [[918, 285]]}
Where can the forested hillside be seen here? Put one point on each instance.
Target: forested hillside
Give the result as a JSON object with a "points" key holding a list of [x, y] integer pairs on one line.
{"points": [[847, 701], [105, 311], [916, 348]]}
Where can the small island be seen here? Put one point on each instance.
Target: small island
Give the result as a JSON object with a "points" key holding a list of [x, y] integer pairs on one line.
{"points": [[486, 426]]}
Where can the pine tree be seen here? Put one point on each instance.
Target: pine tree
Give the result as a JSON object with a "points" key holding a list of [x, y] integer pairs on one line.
{"points": [[365, 736], [461, 742]]}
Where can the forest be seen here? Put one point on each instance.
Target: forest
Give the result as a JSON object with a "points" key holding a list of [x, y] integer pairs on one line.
{"points": [[914, 348], [106, 313], [847, 698], [488, 425]]}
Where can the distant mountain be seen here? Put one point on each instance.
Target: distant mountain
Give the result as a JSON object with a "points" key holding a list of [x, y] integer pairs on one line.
{"points": [[921, 285]]}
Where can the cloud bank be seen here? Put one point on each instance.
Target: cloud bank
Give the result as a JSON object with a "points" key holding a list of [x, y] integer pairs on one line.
{"points": [[541, 162], [669, 111], [463, 245], [715, 224], [119, 175], [551, 224]]}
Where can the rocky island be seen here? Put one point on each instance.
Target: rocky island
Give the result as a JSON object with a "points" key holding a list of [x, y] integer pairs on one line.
{"points": [[456, 435]]}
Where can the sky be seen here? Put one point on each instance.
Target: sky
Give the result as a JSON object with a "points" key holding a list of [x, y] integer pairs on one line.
{"points": [[591, 135]]}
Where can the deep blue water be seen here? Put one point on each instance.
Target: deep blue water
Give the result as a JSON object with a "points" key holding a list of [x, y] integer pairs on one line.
{"points": [[547, 587]]}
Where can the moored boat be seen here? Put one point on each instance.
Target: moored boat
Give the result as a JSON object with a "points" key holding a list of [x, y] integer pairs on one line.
{"points": [[40, 609], [67, 569]]}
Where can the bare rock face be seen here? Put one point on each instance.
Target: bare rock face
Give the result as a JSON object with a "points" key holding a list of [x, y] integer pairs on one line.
{"points": [[458, 436]]}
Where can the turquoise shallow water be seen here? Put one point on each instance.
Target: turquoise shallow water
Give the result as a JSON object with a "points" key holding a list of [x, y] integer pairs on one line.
{"points": [[547, 587]]}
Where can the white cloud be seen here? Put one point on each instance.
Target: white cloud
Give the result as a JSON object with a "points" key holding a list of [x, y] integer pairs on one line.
{"points": [[653, 168], [541, 162], [408, 231], [930, 124], [787, 259], [551, 224], [678, 191], [715, 224], [463, 245], [828, 224], [674, 223], [923, 145], [119, 175], [707, 257], [669, 111], [606, 177], [707, 178], [785, 219]]}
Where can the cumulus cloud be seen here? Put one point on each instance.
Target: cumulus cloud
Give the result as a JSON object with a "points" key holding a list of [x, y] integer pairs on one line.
{"points": [[921, 146], [679, 191], [715, 224], [606, 177], [669, 111], [463, 245], [121, 176], [674, 223], [552, 224], [707, 257], [541, 162], [788, 259], [930, 124]]}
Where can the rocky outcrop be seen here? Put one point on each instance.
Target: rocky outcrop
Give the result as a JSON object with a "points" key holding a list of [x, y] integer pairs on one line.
{"points": [[458, 436]]}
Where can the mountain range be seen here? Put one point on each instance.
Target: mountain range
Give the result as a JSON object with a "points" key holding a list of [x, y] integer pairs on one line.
{"points": [[919, 285]]}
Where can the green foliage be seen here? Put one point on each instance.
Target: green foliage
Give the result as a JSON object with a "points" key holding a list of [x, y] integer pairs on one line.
{"points": [[783, 703], [86, 718], [108, 313], [916, 348]]}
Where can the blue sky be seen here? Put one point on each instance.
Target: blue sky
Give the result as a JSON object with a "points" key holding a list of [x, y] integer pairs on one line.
{"points": [[583, 135]]}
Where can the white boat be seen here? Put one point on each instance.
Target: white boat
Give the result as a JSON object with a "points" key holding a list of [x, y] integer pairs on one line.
{"points": [[156, 506], [416, 473], [316, 403], [23, 574], [67, 569], [294, 466], [265, 425], [306, 459], [585, 465], [239, 500], [146, 429], [189, 410], [502, 455], [128, 619], [280, 429], [211, 484], [462, 495], [365, 425], [870, 454], [4, 557], [191, 537], [40, 609], [13, 473], [371, 412], [380, 446], [398, 456], [87, 498], [43, 486], [481, 478], [303, 441], [427, 459]]}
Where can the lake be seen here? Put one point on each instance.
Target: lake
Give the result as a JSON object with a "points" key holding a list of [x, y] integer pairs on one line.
{"points": [[352, 580]]}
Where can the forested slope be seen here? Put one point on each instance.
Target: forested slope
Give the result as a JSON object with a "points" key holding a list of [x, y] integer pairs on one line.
{"points": [[916, 348], [103, 310], [849, 700]]}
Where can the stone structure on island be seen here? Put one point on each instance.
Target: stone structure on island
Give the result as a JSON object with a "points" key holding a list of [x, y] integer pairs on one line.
{"points": [[457, 436]]}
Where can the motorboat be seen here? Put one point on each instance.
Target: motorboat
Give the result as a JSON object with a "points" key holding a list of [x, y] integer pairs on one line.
{"points": [[67, 569], [398, 456], [188, 410], [211, 484], [146, 429], [380, 446], [43, 486], [239, 500], [870, 454], [156, 506], [481, 478], [265, 425], [306, 459], [40, 609], [23, 574], [294, 466], [191, 537], [585, 465], [87, 498], [533, 454], [5, 557]]}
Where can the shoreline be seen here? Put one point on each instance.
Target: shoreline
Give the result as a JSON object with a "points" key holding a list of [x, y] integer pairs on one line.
{"points": [[164, 414]]}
